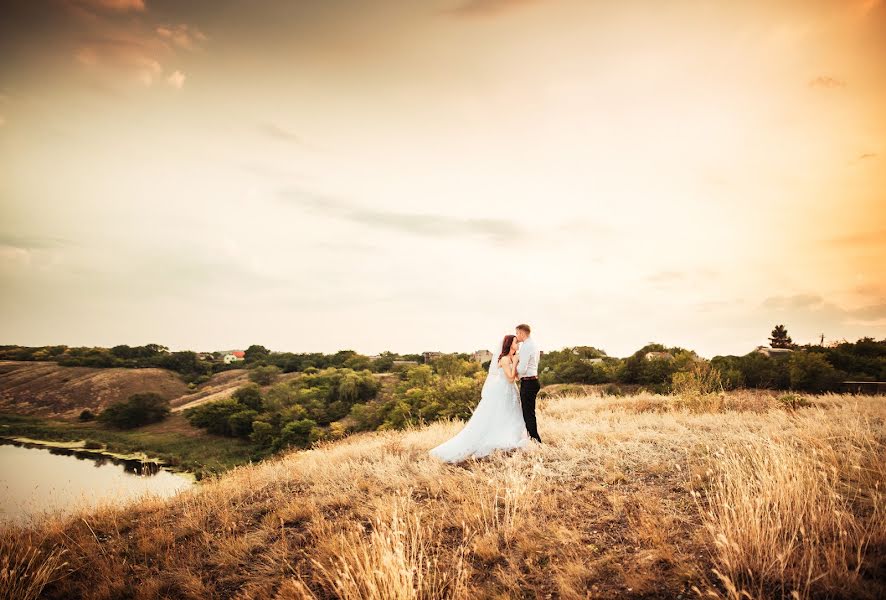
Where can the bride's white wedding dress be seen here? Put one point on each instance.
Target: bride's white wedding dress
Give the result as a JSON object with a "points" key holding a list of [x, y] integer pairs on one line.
{"points": [[496, 423]]}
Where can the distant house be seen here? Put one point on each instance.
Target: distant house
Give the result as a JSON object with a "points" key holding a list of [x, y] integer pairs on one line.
{"points": [[659, 356], [481, 356], [234, 356], [767, 351], [204, 356], [429, 356]]}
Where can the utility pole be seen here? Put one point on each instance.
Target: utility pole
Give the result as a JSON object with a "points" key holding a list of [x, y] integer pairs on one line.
{"points": [[822, 340]]}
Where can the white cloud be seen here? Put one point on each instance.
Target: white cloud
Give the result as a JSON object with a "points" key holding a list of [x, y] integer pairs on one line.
{"points": [[176, 80], [182, 35]]}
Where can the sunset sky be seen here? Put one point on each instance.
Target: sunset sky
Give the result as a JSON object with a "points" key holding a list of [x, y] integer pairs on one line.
{"points": [[410, 176]]}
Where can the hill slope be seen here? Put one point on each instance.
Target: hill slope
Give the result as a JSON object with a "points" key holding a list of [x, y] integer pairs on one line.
{"points": [[47, 389], [632, 497]]}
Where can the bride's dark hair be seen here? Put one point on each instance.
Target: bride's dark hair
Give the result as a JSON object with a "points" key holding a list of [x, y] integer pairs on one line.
{"points": [[506, 345]]}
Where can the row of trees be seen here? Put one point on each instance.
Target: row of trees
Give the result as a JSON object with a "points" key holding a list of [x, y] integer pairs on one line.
{"points": [[195, 369], [807, 368]]}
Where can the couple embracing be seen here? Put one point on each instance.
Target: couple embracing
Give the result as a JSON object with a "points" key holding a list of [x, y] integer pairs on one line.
{"points": [[504, 418]]}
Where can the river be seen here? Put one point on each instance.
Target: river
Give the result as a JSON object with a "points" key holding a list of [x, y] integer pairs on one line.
{"points": [[35, 479]]}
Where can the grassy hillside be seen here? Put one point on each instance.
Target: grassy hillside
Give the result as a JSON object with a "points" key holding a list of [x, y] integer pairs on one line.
{"points": [[45, 389], [738, 495]]}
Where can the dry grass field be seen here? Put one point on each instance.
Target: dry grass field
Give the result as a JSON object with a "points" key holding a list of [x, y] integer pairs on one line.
{"points": [[738, 495]]}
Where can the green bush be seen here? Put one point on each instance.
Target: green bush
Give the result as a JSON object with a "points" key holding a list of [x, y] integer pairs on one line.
{"points": [[214, 417], [86, 415], [296, 433], [250, 396], [264, 375], [262, 433], [793, 401], [240, 423], [811, 372], [139, 409]]}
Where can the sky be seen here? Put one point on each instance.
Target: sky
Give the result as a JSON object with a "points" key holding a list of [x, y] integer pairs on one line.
{"points": [[411, 176]]}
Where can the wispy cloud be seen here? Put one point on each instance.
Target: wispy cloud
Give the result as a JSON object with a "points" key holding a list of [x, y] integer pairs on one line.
{"points": [[279, 133], [111, 5], [176, 79], [131, 58], [864, 238], [826, 82], [182, 36], [34, 242], [497, 231], [814, 309], [485, 8]]}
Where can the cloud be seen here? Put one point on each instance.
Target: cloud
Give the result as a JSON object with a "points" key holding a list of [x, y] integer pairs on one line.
{"points": [[793, 302], [812, 307], [485, 8], [866, 6], [111, 5], [826, 82], [182, 36], [277, 132], [176, 80], [671, 277], [33, 242], [493, 230], [865, 238], [129, 57]]}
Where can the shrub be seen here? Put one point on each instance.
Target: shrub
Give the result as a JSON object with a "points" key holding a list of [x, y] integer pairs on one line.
{"points": [[139, 409], [264, 375], [240, 423], [296, 433], [262, 433], [249, 396], [701, 378], [214, 416], [793, 401], [811, 372], [86, 415]]}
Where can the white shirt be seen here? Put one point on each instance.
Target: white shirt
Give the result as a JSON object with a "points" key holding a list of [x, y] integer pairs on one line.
{"points": [[529, 356]]}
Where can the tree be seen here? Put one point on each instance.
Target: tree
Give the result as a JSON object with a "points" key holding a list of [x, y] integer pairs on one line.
{"points": [[255, 353], [249, 396], [240, 423], [811, 372], [780, 338], [264, 375], [296, 433], [138, 410]]}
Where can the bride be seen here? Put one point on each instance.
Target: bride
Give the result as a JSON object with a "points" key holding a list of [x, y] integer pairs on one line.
{"points": [[497, 421]]}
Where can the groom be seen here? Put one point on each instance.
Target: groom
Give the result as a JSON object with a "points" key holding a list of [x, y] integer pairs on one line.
{"points": [[527, 369]]}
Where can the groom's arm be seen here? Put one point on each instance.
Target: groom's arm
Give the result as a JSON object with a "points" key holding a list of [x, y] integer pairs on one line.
{"points": [[523, 357]]}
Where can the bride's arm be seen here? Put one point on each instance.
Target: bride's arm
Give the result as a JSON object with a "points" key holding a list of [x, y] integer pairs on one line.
{"points": [[508, 367]]}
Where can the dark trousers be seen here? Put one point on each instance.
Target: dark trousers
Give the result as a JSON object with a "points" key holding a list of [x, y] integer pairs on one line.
{"points": [[528, 391]]}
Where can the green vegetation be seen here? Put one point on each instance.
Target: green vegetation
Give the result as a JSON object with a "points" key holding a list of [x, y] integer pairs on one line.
{"points": [[137, 410], [809, 368], [292, 413]]}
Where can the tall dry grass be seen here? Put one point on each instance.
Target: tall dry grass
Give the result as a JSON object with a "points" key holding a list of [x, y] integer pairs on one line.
{"points": [[734, 495]]}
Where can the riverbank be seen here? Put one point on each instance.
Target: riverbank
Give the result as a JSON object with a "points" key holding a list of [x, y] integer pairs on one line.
{"points": [[172, 442]]}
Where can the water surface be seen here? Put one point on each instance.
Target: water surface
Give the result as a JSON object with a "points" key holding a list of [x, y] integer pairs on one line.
{"points": [[36, 479]]}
